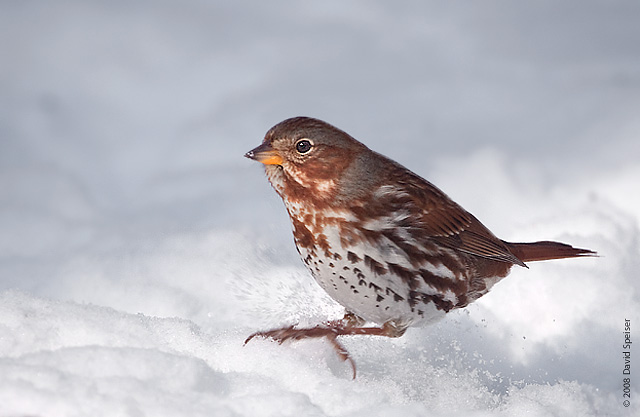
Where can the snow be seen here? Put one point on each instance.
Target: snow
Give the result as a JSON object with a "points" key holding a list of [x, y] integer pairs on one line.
{"points": [[139, 248]]}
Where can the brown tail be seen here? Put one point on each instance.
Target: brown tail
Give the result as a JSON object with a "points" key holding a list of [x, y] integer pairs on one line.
{"points": [[542, 251]]}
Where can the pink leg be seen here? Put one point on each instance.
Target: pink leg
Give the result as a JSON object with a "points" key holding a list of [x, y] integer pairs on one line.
{"points": [[349, 326]]}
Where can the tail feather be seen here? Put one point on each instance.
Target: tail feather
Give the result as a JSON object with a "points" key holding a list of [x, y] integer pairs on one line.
{"points": [[542, 251]]}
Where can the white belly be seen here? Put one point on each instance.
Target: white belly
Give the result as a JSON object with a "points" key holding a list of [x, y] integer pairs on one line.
{"points": [[371, 292]]}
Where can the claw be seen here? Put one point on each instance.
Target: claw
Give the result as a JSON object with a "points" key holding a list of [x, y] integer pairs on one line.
{"points": [[279, 335], [343, 354]]}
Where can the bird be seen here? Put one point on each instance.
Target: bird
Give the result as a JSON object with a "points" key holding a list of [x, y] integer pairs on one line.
{"points": [[389, 246]]}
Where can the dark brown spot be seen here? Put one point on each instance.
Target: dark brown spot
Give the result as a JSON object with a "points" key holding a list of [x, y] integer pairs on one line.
{"points": [[448, 260], [353, 257], [308, 219], [414, 296], [442, 284], [438, 300], [379, 298], [323, 243], [405, 274], [358, 273], [337, 256], [303, 236], [396, 297], [375, 266], [373, 237], [463, 301], [414, 253]]}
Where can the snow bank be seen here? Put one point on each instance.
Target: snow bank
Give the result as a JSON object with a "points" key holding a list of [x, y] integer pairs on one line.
{"points": [[63, 358]]}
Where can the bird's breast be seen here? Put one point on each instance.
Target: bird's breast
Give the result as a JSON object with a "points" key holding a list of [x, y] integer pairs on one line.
{"points": [[369, 273]]}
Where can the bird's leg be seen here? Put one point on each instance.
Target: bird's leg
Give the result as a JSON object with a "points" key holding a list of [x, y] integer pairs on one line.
{"points": [[350, 325]]}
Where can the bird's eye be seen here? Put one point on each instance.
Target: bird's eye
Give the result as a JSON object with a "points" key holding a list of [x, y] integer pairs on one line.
{"points": [[303, 146]]}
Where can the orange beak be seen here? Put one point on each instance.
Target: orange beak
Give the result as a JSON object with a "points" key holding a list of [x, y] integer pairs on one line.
{"points": [[265, 154]]}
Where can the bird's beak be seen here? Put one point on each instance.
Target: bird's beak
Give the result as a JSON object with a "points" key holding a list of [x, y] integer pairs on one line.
{"points": [[265, 154]]}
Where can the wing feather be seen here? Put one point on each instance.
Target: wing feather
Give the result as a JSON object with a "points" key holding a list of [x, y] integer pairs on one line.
{"points": [[438, 217]]}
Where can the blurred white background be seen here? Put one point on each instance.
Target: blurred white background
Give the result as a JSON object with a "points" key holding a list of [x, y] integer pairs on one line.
{"points": [[124, 197]]}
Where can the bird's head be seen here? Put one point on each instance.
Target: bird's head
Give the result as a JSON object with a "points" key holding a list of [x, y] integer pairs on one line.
{"points": [[306, 155]]}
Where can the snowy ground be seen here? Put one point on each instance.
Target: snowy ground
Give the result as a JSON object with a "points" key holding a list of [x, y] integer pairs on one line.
{"points": [[139, 248]]}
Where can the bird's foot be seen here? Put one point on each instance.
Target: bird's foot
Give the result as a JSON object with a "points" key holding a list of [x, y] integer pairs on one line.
{"points": [[291, 333], [349, 326]]}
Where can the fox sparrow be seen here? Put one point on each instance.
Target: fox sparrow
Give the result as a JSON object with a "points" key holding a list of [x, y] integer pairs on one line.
{"points": [[383, 242]]}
